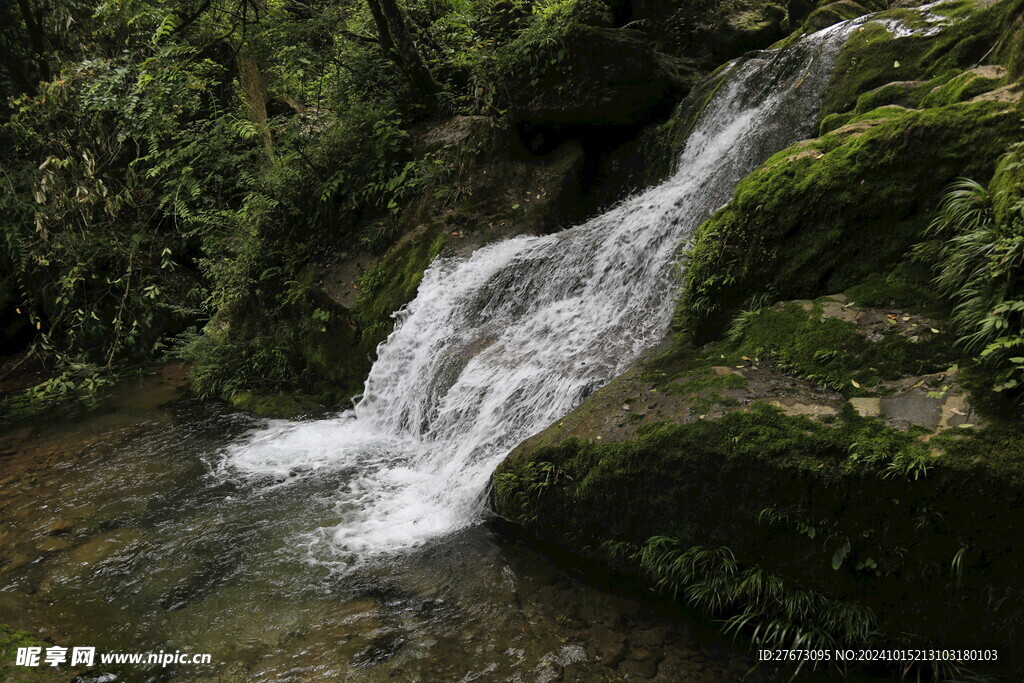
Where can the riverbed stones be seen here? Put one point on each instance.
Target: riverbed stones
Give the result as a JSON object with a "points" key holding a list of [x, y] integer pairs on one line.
{"points": [[98, 549]]}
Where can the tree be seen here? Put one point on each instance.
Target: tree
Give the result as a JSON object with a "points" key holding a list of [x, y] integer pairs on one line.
{"points": [[396, 41]]}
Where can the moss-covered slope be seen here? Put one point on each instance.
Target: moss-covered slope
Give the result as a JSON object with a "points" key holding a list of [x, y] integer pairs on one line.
{"points": [[905, 115], [827, 447], [825, 213]]}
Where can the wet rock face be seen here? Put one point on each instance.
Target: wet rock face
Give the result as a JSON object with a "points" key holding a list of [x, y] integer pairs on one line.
{"points": [[602, 77], [713, 30]]}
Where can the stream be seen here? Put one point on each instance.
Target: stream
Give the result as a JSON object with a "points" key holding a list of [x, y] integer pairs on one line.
{"points": [[118, 533]]}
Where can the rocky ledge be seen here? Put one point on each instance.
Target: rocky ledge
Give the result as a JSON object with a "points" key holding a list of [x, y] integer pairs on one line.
{"points": [[819, 472]]}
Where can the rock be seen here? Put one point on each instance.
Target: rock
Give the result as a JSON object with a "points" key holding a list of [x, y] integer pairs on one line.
{"points": [[711, 32], [646, 668], [868, 222], [608, 646], [102, 547], [755, 27], [607, 77], [798, 10], [382, 648], [51, 544], [867, 406], [651, 638], [833, 13], [60, 527]]}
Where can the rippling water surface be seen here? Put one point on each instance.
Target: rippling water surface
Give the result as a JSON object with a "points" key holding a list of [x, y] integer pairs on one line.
{"points": [[118, 533]]}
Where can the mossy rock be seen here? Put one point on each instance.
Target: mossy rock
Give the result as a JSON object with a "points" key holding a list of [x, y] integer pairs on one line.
{"points": [[786, 493], [278, 406], [825, 214], [965, 86], [393, 282], [594, 77], [836, 344], [974, 34], [907, 286], [902, 93], [1007, 188], [10, 640], [950, 88], [833, 13], [713, 31], [749, 26]]}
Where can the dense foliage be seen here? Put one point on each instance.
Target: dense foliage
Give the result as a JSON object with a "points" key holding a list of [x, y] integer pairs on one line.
{"points": [[166, 163], [980, 261]]}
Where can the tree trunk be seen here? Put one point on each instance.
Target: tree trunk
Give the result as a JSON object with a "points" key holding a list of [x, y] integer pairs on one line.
{"points": [[397, 43], [251, 80], [36, 37]]}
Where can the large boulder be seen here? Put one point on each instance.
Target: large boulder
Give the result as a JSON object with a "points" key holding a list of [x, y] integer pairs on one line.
{"points": [[827, 449], [713, 30], [833, 13], [750, 27], [598, 77], [827, 212]]}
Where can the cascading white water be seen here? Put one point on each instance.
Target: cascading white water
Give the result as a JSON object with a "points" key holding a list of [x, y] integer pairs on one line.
{"points": [[497, 346]]}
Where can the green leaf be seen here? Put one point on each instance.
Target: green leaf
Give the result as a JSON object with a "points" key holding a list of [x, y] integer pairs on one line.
{"points": [[839, 555]]}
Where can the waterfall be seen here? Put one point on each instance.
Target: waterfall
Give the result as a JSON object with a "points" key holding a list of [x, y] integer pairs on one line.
{"points": [[497, 346]]}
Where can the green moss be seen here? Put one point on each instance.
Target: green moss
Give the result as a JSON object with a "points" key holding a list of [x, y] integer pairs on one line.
{"points": [[1010, 50], [956, 9], [1007, 187], [833, 352], [858, 507], [764, 433], [961, 88], [833, 13], [907, 286], [699, 382], [872, 57], [703, 381], [833, 121], [280, 406], [393, 282], [10, 640], [903, 93], [824, 215], [995, 448], [885, 111]]}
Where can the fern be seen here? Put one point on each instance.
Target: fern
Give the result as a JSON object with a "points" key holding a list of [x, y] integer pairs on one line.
{"points": [[979, 263]]}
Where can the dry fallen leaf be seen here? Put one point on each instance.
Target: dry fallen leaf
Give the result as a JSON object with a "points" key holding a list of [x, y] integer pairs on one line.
{"points": [[854, 383]]}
